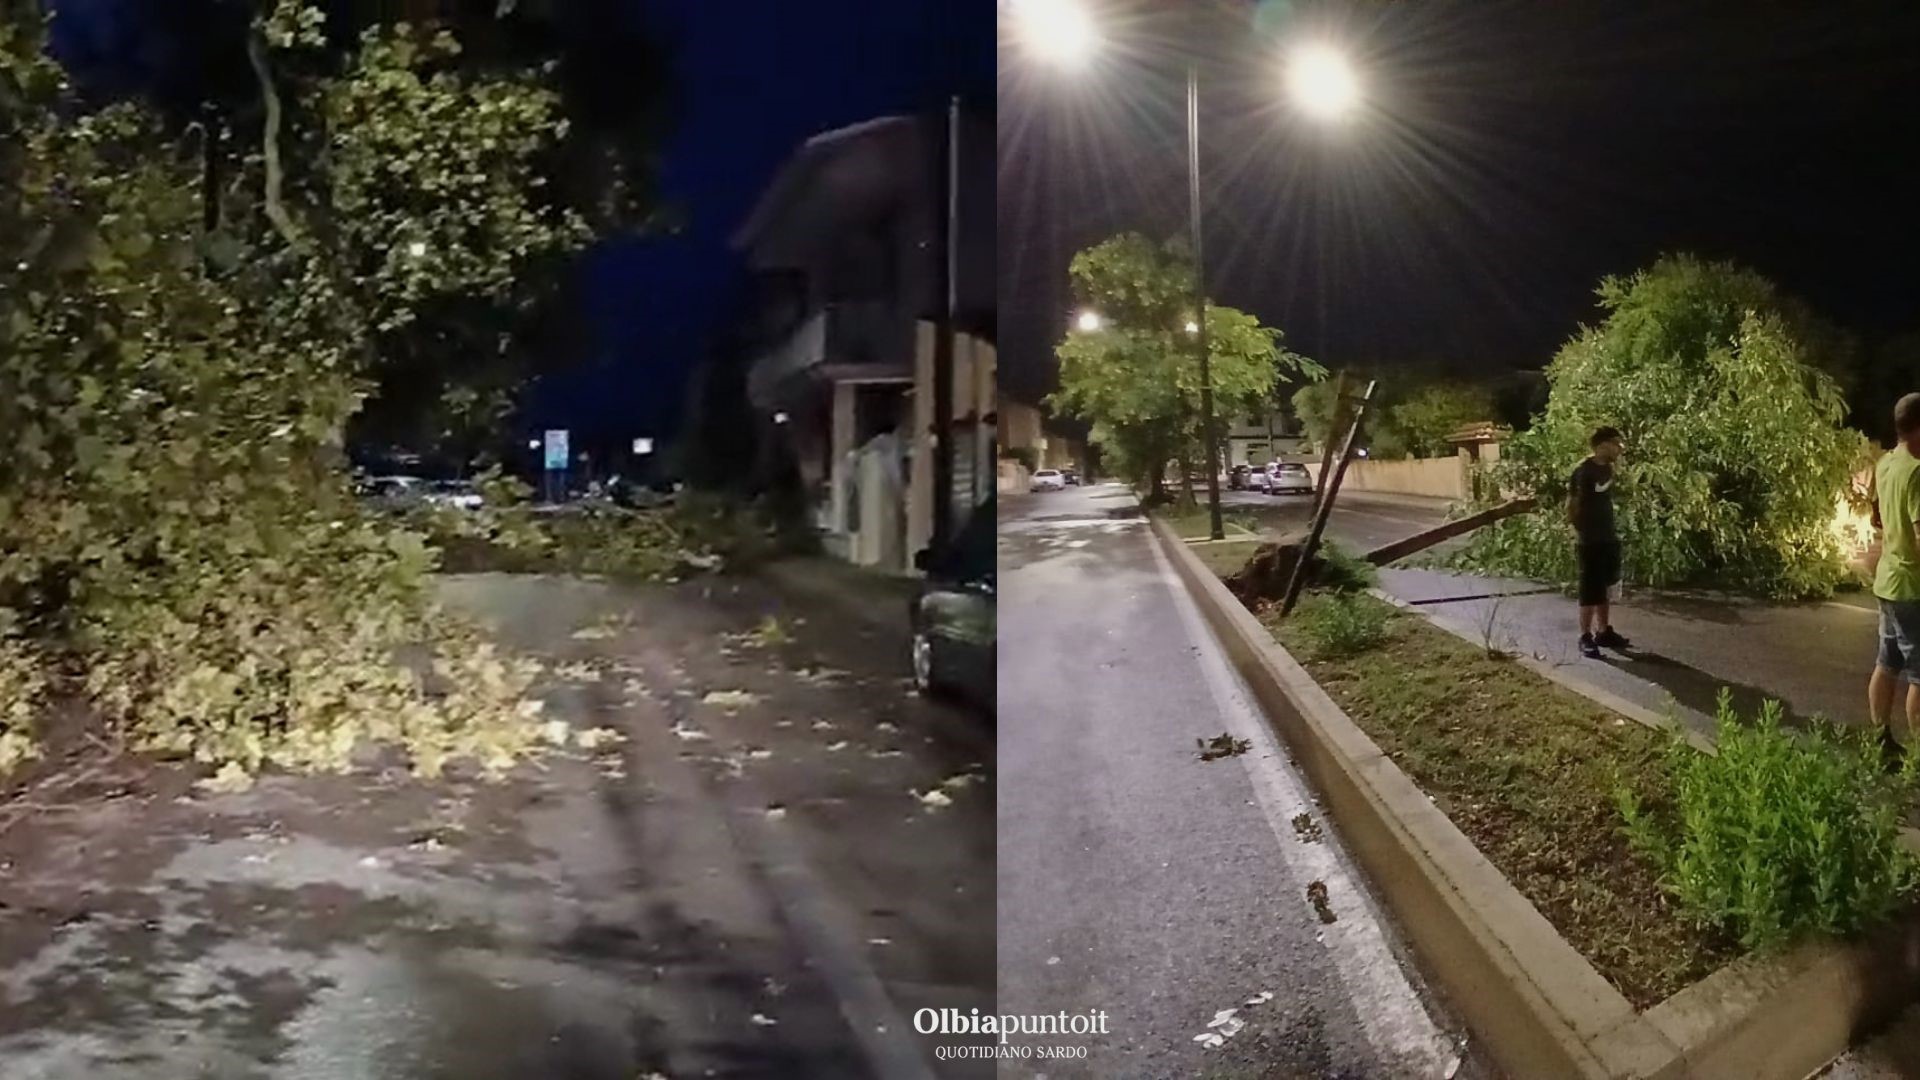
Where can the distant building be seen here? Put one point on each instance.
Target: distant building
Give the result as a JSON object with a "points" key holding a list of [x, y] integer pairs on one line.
{"points": [[1258, 437], [850, 233], [1026, 443]]}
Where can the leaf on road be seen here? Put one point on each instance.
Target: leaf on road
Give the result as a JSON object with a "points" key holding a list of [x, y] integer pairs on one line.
{"points": [[1317, 896], [763, 1020], [689, 734], [823, 725], [578, 672], [594, 738], [1220, 746], [730, 699], [959, 781], [555, 732], [1261, 998], [591, 633], [886, 728], [933, 800], [837, 746], [776, 811], [230, 780]]}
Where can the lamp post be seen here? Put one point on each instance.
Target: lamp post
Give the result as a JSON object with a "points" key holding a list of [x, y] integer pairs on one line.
{"points": [[1319, 81]]}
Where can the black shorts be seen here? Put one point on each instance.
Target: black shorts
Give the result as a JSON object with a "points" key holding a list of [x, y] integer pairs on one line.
{"points": [[1599, 571]]}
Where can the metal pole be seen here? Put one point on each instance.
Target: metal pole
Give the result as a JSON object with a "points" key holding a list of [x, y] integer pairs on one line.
{"points": [[943, 340], [1325, 509], [1216, 530]]}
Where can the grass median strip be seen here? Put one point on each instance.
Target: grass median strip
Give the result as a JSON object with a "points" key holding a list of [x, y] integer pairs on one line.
{"points": [[1528, 771]]}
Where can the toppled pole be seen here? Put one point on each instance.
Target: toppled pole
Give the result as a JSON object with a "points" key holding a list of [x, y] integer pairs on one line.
{"points": [[1421, 541], [1324, 508]]}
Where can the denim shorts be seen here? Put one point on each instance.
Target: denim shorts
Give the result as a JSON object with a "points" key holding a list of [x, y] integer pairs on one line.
{"points": [[1899, 629]]}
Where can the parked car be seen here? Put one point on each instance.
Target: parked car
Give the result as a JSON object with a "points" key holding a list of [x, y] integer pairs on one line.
{"points": [[1072, 478], [1047, 480], [1290, 478], [1237, 477], [393, 492], [953, 617], [457, 494], [1259, 477]]}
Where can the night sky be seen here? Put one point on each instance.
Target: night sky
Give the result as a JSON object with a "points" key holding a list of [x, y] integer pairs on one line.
{"points": [[1515, 153], [751, 79]]}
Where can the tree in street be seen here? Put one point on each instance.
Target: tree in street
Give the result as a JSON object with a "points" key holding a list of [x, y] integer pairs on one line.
{"points": [[1136, 378], [1736, 453], [174, 522]]}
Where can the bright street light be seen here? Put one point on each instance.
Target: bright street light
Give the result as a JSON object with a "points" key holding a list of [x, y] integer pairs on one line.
{"points": [[1089, 321], [1059, 31], [417, 249], [1321, 82], [1192, 327]]}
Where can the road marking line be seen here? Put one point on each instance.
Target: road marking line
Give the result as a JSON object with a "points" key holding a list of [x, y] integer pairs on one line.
{"points": [[1390, 1011]]}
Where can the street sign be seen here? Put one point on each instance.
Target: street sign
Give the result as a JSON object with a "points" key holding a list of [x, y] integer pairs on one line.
{"points": [[643, 446], [557, 448]]}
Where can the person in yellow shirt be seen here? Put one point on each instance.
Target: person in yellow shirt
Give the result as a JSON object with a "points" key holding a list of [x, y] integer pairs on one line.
{"points": [[1896, 580]]}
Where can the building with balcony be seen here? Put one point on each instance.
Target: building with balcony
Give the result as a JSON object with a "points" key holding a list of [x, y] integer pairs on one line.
{"points": [[847, 241]]}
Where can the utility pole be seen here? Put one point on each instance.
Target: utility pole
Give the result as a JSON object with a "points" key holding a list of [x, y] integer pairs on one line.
{"points": [[1216, 530], [943, 340], [1325, 507]]}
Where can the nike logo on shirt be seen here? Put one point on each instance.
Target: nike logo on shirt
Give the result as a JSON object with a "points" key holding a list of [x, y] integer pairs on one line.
{"points": [[1603, 487]]}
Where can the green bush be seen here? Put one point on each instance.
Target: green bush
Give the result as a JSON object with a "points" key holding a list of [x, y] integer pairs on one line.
{"points": [[1783, 834], [1342, 624], [1342, 571]]}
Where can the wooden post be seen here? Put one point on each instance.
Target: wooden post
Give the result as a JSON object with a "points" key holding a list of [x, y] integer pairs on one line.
{"points": [[1341, 383], [1325, 508]]}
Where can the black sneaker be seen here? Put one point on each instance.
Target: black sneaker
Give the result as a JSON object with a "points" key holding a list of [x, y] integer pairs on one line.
{"points": [[1892, 754], [1587, 647], [1610, 638]]}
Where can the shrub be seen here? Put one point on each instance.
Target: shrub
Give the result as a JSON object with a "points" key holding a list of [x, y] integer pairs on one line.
{"points": [[1342, 624], [1342, 571], [1782, 834]]}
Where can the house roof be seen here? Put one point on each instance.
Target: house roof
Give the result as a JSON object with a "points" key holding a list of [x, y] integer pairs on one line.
{"points": [[847, 167], [1485, 431]]}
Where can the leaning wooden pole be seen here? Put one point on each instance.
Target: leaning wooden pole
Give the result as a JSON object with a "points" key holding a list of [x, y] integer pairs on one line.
{"points": [[1341, 389], [1325, 507]]}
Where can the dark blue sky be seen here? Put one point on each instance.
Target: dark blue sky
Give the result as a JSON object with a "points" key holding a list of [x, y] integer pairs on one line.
{"points": [[751, 80]]}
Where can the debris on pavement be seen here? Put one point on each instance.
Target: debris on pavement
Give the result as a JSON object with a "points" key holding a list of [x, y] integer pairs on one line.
{"points": [[1317, 896], [763, 1020], [578, 671], [1306, 828], [776, 811], [835, 747], [594, 738], [730, 699], [232, 779], [689, 734], [934, 799], [1220, 746]]}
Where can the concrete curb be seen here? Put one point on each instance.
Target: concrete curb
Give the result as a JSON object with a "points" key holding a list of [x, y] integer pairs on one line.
{"points": [[1540, 1007]]}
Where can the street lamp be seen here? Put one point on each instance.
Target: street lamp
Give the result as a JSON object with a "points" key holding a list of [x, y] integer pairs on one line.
{"points": [[1320, 83], [1061, 31], [417, 249], [1089, 321]]}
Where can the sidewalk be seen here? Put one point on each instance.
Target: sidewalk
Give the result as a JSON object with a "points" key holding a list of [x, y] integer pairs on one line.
{"points": [[1814, 656]]}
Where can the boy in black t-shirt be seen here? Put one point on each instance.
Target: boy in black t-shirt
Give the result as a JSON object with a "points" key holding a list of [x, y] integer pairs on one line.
{"points": [[1597, 549]]}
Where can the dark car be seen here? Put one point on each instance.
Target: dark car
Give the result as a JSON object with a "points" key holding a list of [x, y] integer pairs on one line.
{"points": [[1237, 477], [953, 617], [1072, 478]]}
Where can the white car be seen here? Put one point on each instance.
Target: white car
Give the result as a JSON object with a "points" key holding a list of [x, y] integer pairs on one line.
{"points": [[1047, 480], [456, 495], [1289, 478]]}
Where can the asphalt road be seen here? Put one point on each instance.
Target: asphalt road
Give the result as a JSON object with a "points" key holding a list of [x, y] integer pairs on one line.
{"points": [[787, 856], [1135, 878]]}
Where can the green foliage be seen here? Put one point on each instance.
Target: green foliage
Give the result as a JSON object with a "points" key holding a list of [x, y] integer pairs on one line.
{"points": [[1137, 379], [1781, 835], [1736, 457], [1342, 571], [173, 518], [1426, 417], [1342, 624], [1025, 455]]}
